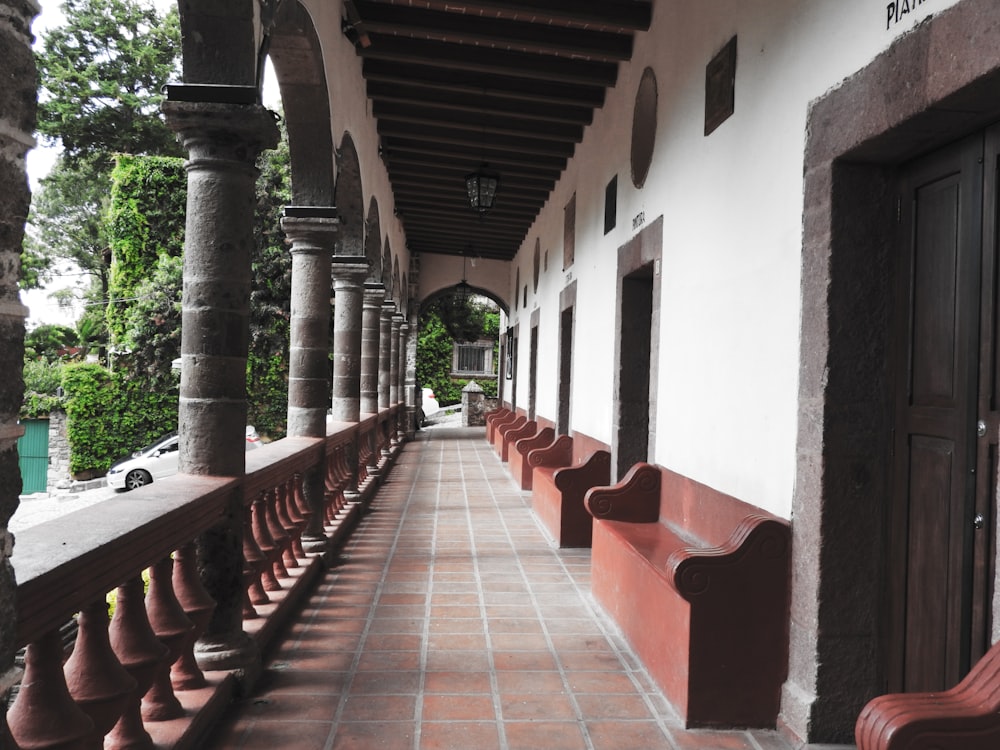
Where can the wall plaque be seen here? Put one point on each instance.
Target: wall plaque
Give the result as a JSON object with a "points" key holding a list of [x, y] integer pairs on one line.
{"points": [[720, 87]]}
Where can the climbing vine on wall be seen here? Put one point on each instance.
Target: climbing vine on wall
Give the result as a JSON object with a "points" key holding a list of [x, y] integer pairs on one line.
{"points": [[110, 415]]}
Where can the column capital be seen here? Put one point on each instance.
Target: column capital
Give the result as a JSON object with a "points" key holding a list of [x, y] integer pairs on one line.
{"points": [[374, 295], [314, 235], [215, 131], [349, 269]]}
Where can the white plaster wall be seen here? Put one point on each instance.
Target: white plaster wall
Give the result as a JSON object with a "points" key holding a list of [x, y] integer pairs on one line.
{"points": [[439, 272], [731, 202]]}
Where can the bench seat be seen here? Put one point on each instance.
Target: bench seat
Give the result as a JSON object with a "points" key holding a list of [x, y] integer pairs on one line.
{"points": [[699, 584], [558, 490], [520, 469]]}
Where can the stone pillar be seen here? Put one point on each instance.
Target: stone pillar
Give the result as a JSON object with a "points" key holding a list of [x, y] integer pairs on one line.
{"points": [[473, 405], [17, 122], [385, 353], [222, 141], [370, 345], [405, 404], [349, 272], [397, 321], [412, 396], [313, 232]]}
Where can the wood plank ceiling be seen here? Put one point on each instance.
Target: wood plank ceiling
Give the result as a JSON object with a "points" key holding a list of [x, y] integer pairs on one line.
{"points": [[510, 83]]}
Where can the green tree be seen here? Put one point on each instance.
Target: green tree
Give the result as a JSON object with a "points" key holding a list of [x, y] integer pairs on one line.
{"points": [[49, 342], [270, 296], [101, 76]]}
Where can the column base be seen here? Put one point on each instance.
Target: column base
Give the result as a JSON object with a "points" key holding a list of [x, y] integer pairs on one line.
{"points": [[239, 655]]}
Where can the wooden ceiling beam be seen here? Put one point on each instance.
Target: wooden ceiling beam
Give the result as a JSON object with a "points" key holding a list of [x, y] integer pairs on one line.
{"points": [[490, 61], [393, 114], [496, 33], [472, 139], [630, 15], [460, 81], [485, 104]]}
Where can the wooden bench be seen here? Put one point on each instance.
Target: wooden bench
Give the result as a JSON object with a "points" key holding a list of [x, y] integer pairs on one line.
{"points": [[520, 469], [500, 434], [494, 418], [967, 717], [512, 434], [558, 490], [699, 583]]}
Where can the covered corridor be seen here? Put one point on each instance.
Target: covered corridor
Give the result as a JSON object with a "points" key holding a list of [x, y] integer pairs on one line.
{"points": [[452, 622]]}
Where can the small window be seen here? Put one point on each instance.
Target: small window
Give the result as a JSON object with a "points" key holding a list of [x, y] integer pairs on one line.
{"points": [[611, 205], [473, 359]]}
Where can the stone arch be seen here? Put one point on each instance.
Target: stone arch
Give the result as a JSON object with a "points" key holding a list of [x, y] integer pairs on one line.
{"points": [[349, 199], [446, 291], [294, 48], [857, 135], [218, 43], [373, 241]]}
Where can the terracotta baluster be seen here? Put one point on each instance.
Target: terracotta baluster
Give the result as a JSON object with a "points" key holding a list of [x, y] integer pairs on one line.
{"points": [[299, 500], [198, 605], [270, 550], [98, 682], [281, 540], [173, 628], [254, 564], [291, 531], [44, 716], [141, 653]]}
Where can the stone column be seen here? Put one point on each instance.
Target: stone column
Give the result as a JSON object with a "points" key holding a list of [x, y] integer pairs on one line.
{"points": [[412, 396], [349, 272], [222, 141], [397, 321], [17, 122], [370, 347], [313, 232], [385, 353], [404, 404]]}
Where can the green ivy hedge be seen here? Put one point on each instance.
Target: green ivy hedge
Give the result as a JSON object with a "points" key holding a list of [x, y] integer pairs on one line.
{"points": [[110, 415]]}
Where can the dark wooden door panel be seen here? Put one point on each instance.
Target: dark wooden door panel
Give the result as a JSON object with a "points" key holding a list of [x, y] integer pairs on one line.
{"points": [[936, 336], [938, 308], [929, 622]]}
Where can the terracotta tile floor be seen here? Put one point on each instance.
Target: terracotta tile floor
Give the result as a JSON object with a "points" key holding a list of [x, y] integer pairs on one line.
{"points": [[453, 624]]}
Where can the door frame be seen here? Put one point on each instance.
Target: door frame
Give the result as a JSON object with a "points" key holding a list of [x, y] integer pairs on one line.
{"points": [[857, 134]]}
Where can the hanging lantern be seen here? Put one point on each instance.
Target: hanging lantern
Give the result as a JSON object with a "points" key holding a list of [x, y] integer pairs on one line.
{"points": [[481, 187]]}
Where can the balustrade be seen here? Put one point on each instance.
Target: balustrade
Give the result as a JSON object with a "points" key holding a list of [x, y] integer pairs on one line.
{"points": [[130, 681]]}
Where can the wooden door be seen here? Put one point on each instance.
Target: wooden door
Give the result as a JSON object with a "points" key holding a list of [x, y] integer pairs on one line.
{"points": [[945, 433]]}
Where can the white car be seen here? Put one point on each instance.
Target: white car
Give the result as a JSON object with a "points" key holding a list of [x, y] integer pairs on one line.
{"points": [[155, 461]]}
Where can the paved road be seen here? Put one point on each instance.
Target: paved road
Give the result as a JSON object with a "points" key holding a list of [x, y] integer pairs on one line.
{"points": [[40, 507]]}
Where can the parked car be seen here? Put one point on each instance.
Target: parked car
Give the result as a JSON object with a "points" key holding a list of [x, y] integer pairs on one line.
{"points": [[157, 460]]}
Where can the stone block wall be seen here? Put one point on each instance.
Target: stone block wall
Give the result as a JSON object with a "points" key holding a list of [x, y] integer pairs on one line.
{"points": [[18, 103]]}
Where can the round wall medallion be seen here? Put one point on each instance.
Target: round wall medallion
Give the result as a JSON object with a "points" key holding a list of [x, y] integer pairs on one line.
{"points": [[643, 127]]}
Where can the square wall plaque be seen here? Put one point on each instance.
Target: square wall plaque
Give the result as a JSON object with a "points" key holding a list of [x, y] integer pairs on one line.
{"points": [[720, 87]]}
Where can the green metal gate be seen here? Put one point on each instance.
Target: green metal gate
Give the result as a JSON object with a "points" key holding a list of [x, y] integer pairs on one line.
{"points": [[33, 454]]}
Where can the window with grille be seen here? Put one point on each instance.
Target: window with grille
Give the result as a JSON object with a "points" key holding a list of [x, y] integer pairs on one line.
{"points": [[470, 358]]}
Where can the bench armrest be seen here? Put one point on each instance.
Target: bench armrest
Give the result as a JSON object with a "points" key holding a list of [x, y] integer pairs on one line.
{"points": [[636, 498], [560, 453], [758, 543]]}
